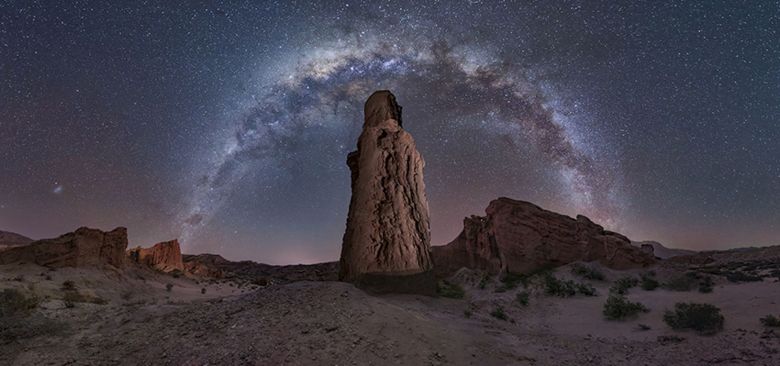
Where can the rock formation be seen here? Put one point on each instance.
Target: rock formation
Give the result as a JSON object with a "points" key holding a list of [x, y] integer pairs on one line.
{"points": [[205, 265], [165, 256], [9, 239], [387, 241], [84, 247], [518, 236], [660, 251]]}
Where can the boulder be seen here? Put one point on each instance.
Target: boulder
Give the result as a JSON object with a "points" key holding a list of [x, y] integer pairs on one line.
{"points": [[84, 247], [164, 256], [386, 245], [517, 236]]}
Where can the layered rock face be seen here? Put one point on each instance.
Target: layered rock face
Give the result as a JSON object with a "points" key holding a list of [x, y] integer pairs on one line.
{"points": [[518, 236], [164, 256], [387, 241], [84, 247]]}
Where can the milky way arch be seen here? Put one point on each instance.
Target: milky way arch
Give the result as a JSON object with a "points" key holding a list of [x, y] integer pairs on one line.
{"points": [[336, 80]]}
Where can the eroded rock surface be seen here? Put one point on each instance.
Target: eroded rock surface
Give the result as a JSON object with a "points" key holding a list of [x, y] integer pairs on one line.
{"points": [[518, 236], [388, 228], [164, 256], [81, 248]]}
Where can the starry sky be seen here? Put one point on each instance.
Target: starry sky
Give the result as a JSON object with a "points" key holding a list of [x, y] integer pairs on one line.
{"points": [[227, 124]]}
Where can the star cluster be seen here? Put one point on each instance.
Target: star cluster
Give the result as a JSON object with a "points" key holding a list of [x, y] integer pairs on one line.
{"points": [[228, 124]]}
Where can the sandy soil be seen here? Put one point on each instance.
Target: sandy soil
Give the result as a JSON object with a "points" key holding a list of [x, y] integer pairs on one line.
{"points": [[332, 323]]}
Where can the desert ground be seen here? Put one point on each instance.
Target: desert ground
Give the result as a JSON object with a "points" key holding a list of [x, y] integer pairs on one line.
{"points": [[134, 317]]}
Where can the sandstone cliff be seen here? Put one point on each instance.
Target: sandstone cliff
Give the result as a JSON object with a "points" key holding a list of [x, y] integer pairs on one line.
{"points": [[164, 256], [518, 236], [81, 248], [388, 231]]}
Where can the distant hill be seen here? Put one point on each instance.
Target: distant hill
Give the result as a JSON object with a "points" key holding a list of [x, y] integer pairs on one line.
{"points": [[9, 239], [660, 251]]}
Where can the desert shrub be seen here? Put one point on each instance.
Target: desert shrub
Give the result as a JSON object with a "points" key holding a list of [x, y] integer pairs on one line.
{"points": [[621, 286], [176, 273], [681, 283], [585, 289], [556, 287], [168, 287], [566, 288], [484, 281], [770, 321], [706, 285], [587, 272], [648, 283], [739, 276], [499, 313], [643, 327], [467, 313], [262, 281], [68, 285], [703, 318], [672, 339], [618, 307], [450, 290], [14, 303], [203, 291], [522, 298], [510, 281]]}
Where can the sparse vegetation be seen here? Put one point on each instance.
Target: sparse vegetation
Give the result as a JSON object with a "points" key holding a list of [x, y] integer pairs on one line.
{"points": [[587, 272], [450, 290], [681, 283], [643, 327], [618, 307], [566, 288], [648, 282], [621, 286], [739, 276], [499, 313], [770, 321], [706, 285], [467, 313], [484, 281], [203, 291], [14, 303], [522, 298], [703, 318], [262, 281], [68, 285], [168, 287]]}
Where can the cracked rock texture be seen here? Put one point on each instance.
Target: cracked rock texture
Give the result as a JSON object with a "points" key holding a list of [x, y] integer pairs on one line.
{"points": [[388, 228], [164, 256], [84, 247], [517, 236]]}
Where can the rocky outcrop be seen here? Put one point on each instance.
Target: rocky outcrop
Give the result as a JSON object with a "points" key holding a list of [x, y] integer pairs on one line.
{"points": [[660, 251], [164, 256], [84, 247], [386, 245], [205, 265], [9, 239], [518, 236]]}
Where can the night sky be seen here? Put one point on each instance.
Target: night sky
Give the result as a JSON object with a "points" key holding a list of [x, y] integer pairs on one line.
{"points": [[227, 125]]}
